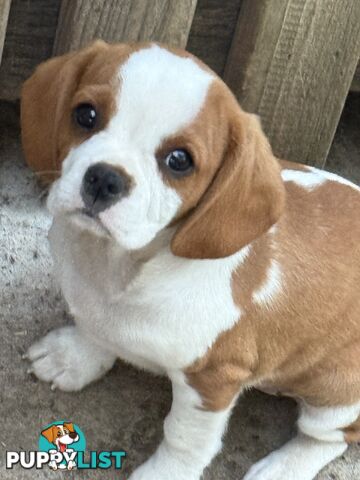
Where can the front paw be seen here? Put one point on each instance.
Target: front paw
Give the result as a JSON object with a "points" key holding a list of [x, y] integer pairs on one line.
{"points": [[277, 466], [66, 359], [266, 469]]}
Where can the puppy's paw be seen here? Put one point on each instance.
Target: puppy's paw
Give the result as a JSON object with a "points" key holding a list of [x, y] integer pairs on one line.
{"points": [[300, 459], [269, 468], [68, 360]]}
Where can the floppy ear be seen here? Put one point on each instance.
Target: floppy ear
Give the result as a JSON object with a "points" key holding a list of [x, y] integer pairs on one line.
{"points": [[246, 197], [45, 100], [69, 426], [50, 433]]}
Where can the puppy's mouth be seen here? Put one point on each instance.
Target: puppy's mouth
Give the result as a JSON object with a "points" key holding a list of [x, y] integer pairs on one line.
{"points": [[89, 213], [88, 220], [62, 447]]}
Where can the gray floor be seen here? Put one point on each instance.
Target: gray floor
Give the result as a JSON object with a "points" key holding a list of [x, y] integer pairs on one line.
{"points": [[124, 410]]}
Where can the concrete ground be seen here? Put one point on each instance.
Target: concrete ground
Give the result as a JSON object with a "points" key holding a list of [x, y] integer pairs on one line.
{"points": [[125, 409]]}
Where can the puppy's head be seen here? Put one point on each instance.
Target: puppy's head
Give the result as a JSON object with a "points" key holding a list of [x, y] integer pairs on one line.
{"points": [[61, 435], [143, 137]]}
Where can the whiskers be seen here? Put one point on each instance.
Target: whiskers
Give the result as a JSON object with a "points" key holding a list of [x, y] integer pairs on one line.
{"points": [[41, 173]]}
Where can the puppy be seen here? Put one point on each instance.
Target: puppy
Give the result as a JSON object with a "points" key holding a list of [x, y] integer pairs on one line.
{"points": [[183, 246], [61, 436]]}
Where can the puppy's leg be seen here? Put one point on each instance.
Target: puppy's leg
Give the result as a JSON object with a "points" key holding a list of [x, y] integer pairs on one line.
{"points": [[69, 359], [192, 437], [319, 441]]}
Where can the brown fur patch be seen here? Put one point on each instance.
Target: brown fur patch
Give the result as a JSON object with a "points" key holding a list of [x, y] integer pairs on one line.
{"points": [[54, 90], [306, 342], [236, 193], [352, 432]]}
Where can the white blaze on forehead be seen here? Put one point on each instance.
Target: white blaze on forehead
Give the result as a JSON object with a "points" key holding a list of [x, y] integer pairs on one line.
{"points": [[159, 94]]}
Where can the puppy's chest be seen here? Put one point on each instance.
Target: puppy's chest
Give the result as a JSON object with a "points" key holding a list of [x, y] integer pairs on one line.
{"points": [[93, 274], [165, 311]]}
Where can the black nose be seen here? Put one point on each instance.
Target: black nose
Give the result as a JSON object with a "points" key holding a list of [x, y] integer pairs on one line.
{"points": [[102, 186], [73, 435]]}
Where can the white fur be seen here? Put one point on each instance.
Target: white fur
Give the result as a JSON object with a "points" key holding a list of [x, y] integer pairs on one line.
{"points": [[159, 94], [313, 178], [319, 441], [272, 286], [323, 423], [332, 177], [137, 307], [308, 180], [68, 359], [192, 437], [300, 459]]}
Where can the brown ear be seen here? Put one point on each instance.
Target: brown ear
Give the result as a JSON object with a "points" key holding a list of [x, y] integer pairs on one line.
{"points": [[45, 99], [245, 198], [50, 433], [69, 426]]}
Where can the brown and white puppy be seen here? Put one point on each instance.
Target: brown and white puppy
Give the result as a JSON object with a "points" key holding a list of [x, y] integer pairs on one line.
{"points": [[183, 246]]}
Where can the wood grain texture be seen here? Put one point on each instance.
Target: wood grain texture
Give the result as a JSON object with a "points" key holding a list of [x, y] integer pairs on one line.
{"points": [[292, 62], [80, 21], [212, 31], [4, 15], [29, 41]]}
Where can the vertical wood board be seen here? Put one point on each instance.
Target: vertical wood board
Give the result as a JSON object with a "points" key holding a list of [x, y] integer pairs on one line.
{"points": [[4, 15], [80, 21], [292, 62], [212, 31], [29, 41]]}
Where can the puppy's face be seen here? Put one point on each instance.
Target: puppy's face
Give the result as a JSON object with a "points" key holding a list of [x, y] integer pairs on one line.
{"points": [[61, 435], [144, 137]]}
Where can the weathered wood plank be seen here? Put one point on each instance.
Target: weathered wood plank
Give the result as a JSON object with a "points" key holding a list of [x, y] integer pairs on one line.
{"points": [[355, 84], [29, 40], [292, 62], [4, 15], [212, 31], [123, 20]]}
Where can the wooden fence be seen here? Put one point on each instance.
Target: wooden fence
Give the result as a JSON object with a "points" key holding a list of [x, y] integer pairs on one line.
{"points": [[291, 61]]}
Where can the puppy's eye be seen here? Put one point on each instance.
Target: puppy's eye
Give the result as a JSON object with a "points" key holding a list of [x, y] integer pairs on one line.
{"points": [[179, 161], [59, 433], [66, 431], [86, 115]]}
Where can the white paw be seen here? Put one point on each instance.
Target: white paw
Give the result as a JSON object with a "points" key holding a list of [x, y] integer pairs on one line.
{"points": [[300, 459], [278, 466], [269, 468], [65, 358]]}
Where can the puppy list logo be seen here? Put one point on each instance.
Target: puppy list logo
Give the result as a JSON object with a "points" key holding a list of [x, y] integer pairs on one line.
{"points": [[62, 447]]}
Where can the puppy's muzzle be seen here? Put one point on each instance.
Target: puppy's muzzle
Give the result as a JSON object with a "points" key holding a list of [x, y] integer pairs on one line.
{"points": [[103, 185]]}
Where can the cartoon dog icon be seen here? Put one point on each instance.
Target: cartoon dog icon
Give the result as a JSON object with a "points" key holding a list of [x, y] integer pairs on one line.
{"points": [[61, 436]]}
